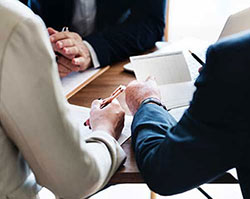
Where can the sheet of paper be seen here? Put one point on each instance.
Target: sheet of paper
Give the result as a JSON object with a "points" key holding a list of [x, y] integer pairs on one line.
{"points": [[199, 47], [236, 23], [166, 68], [178, 94], [81, 114], [223, 190], [74, 79], [177, 113]]}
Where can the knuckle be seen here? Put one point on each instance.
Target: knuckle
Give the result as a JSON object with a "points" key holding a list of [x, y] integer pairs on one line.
{"points": [[75, 36], [70, 41], [133, 84], [65, 34]]}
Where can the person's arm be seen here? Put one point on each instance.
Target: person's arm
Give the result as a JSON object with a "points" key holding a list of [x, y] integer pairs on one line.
{"points": [[37, 119], [174, 158], [211, 136], [144, 26]]}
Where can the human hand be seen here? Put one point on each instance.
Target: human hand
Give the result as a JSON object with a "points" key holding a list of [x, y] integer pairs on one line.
{"points": [[137, 91], [109, 119], [71, 46], [65, 66]]}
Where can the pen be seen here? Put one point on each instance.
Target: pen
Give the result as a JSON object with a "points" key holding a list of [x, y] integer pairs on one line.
{"points": [[196, 57], [109, 99], [65, 29]]}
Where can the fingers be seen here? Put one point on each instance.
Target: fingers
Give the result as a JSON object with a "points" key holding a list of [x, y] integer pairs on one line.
{"points": [[115, 101], [131, 84], [65, 43], [63, 74], [78, 61], [136, 92], [63, 69], [59, 36], [96, 104], [60, 51], [52, 31], [151, 78], [67, 63], [71, 50], [65, 35], [82, 62]]}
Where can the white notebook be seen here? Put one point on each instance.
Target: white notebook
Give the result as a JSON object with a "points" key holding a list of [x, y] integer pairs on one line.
{"points": [[80, 114], [172, 75]]}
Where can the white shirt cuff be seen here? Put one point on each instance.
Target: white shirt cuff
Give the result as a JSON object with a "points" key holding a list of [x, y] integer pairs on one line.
{"points": [[93, 55]]}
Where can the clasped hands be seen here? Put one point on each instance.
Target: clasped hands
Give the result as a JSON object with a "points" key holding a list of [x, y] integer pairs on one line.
{"points": [[72, 53]]}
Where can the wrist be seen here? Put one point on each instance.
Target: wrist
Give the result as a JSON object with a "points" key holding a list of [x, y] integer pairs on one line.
{"points": [[153, 100], [105, 128]]}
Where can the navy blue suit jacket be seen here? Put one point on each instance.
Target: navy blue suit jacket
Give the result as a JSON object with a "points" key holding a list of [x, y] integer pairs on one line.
{"points": [[124, 27], [213, 135]]}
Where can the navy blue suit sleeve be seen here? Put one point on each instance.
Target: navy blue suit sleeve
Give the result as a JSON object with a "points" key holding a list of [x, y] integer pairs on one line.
{"points": [[213, 134], [138, 33]]}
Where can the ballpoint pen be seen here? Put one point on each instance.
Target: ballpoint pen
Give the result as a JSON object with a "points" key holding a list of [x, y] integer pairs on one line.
{"points": [[108, 100], [196, 57], [65, 29]]}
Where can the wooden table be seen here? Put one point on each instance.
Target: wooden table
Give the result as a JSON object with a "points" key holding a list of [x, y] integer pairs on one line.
{"points": [[102, 87]]}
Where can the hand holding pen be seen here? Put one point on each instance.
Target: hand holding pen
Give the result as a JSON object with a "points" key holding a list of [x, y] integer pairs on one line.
{"points": [[116, 93]]}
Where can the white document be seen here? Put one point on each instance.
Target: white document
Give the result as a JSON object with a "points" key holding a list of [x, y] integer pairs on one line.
{"points": [[75, 79], [177, 113], [172, 75], [236, 23], [178, 94], [80, 114], [199, 47], [166, 68]]}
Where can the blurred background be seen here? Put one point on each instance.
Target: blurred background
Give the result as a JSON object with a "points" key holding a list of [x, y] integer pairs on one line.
{"points": [[202, 19]]}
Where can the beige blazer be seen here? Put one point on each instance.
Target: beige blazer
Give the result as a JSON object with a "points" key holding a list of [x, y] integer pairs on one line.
{"points": [[36, 132]]}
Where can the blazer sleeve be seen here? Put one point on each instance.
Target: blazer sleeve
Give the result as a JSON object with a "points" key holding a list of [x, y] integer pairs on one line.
{"points": [[138, 33], [210, 138], [36, 116]]}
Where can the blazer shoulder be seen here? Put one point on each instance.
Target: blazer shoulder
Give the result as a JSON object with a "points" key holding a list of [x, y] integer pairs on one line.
{"points": [[12, 13], [239, 42]]}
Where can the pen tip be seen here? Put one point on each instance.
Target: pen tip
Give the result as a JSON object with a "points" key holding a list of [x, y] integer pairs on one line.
{"points": [[190, 51]]}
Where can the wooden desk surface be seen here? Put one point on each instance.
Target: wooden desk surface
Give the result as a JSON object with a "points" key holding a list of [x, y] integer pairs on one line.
{"points": [[102, 87]]}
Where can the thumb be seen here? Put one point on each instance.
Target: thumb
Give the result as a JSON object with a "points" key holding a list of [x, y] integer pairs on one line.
{"points": [[52, 31], [96, 104], [150, 78]]}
